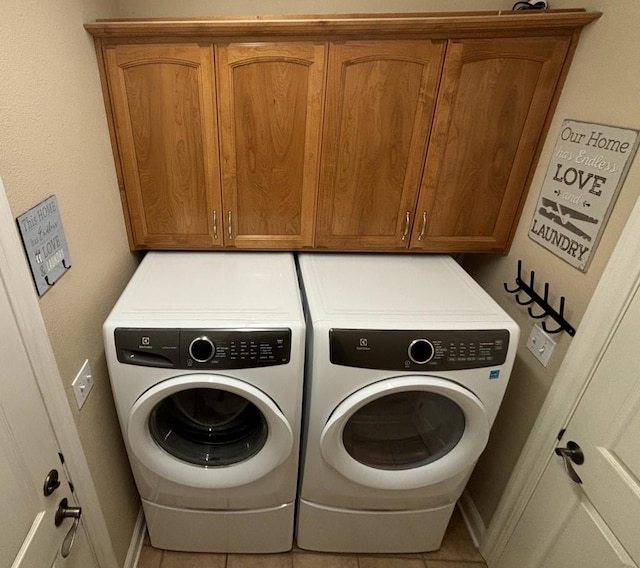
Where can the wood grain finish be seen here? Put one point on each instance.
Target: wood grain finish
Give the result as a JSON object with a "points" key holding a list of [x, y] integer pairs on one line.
{"points": [[270, 98], [491, 109], [330, 136], [380, 98], [164, 108], [388, 26]]}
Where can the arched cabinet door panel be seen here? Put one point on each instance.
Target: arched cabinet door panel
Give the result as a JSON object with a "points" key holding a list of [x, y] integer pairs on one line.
{"points": [[493, 102], [379, 107], [270, 108], [163, 105]]}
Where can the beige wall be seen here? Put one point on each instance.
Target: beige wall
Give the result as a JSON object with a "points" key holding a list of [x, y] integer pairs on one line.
{"points": [[54, 140], [189, 8], [602, 87]]}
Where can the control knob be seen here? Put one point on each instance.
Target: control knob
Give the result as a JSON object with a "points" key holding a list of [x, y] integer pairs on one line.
{"points": [[420, 351], [202, 349]]}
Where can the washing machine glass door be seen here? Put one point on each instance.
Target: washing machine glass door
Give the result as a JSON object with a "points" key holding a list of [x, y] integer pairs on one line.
{"points": [[405, 433], [208, 431]]}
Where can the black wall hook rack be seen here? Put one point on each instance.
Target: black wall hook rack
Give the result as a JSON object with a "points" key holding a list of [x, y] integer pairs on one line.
{"points": [[542, 301]]}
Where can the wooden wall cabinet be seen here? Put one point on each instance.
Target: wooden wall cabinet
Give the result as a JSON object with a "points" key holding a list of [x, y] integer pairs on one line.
{"points": [[492, 106], [394, 132], [270, 115], [379, 105], [163, 103]]}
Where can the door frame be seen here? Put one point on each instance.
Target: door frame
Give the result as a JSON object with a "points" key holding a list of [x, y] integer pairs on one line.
{"points": [[17, 280], [614, 292]]}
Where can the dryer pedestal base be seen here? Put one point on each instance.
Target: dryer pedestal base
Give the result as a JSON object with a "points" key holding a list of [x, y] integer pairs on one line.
{"points": [[256, 531], [329, 529]]}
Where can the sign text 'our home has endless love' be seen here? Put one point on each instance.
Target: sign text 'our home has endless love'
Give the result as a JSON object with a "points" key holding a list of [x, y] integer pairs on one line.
{"points": [[587, 169]]}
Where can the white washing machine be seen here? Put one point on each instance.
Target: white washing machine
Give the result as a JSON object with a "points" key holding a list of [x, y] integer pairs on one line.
{"points": [[206, 358], [407, 363]]}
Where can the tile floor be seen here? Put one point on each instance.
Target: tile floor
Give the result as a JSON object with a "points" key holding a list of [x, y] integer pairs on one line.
{"points": [[457, 551]]}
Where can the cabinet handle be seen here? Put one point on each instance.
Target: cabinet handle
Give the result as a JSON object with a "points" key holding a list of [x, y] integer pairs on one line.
{"points": [[406, 226], [230, 228], [424, 226], [215, 225]]}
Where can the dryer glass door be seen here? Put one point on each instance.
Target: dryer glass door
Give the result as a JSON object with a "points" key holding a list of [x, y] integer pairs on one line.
{"points": [[404, 430], [405, 433], [208, 426]]}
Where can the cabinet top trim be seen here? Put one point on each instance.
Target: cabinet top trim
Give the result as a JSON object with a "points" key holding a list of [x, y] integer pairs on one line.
{"points": [[435, 25]]}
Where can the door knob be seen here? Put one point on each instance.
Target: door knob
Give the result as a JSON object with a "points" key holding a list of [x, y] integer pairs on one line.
{"points": [[66, 512], [570, 455]]}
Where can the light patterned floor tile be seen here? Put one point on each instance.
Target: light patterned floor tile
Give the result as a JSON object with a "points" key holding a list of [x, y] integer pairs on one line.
{"points": [[149, 557], [323, 560], [389, 562], [260, 560], [457, 544], [172, 559], [454, 564]]}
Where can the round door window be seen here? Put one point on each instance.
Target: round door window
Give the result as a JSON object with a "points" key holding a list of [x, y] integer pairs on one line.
{"points": [[404, 430], [208, 427]]}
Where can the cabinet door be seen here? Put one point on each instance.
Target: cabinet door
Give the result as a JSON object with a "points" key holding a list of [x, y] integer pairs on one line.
{"points": [[380, 99], [162, 98], [271, 98], [492, 105]]}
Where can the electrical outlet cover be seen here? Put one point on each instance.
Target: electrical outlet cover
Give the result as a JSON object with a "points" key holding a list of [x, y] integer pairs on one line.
{"points": [[83, 383], [541, 345]]}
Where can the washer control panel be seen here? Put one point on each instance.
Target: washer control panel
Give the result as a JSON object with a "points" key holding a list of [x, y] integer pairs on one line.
{"points": [[424, 350], [208, 349]]}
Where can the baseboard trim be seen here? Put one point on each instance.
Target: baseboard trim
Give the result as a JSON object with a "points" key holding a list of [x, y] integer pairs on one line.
{"points": [[137, 540], [472, 518]]}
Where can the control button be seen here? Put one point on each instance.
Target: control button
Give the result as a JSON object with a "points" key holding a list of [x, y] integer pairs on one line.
{"points": [[202, 349], [420, 351]]}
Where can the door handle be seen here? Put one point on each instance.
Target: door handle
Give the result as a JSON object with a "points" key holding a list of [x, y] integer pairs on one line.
{"points": [[230, 227], [66, 512], [570, 455], [215, 224], [424, 226], [407, 220]]}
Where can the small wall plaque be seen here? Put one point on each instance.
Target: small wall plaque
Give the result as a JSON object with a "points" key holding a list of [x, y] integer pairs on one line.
{"points": [[585, 174], [45, 244]]}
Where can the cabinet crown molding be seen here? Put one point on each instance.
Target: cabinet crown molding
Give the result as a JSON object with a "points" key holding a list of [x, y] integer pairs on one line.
{"points": [[428, 25]]}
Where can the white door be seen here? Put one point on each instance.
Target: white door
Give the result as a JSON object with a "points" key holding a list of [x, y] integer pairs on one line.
{"points": [[28, 535], [595, 523]]}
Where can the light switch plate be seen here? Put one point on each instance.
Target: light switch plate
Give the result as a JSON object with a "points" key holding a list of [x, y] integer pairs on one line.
{"points": [[541, 345], [83, 383]]}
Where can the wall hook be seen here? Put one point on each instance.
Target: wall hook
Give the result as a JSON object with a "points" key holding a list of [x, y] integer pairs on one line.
{"points": [[542, 301], [46, 278]]}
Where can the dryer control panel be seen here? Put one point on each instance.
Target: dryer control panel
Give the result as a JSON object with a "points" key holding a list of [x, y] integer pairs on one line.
{"points": [[413, 350], [203, 349]]}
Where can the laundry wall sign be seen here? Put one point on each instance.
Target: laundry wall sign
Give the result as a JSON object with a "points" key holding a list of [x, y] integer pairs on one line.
{"points": [[587, 169]]}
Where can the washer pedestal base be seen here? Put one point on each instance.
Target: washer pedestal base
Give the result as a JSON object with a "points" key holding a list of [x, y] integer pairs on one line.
{"points": [[329, 529], [189, 530]]}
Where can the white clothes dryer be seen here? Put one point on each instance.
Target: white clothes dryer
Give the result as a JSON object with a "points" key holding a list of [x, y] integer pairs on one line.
{"points": [[206, 358], [407, 363]]}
